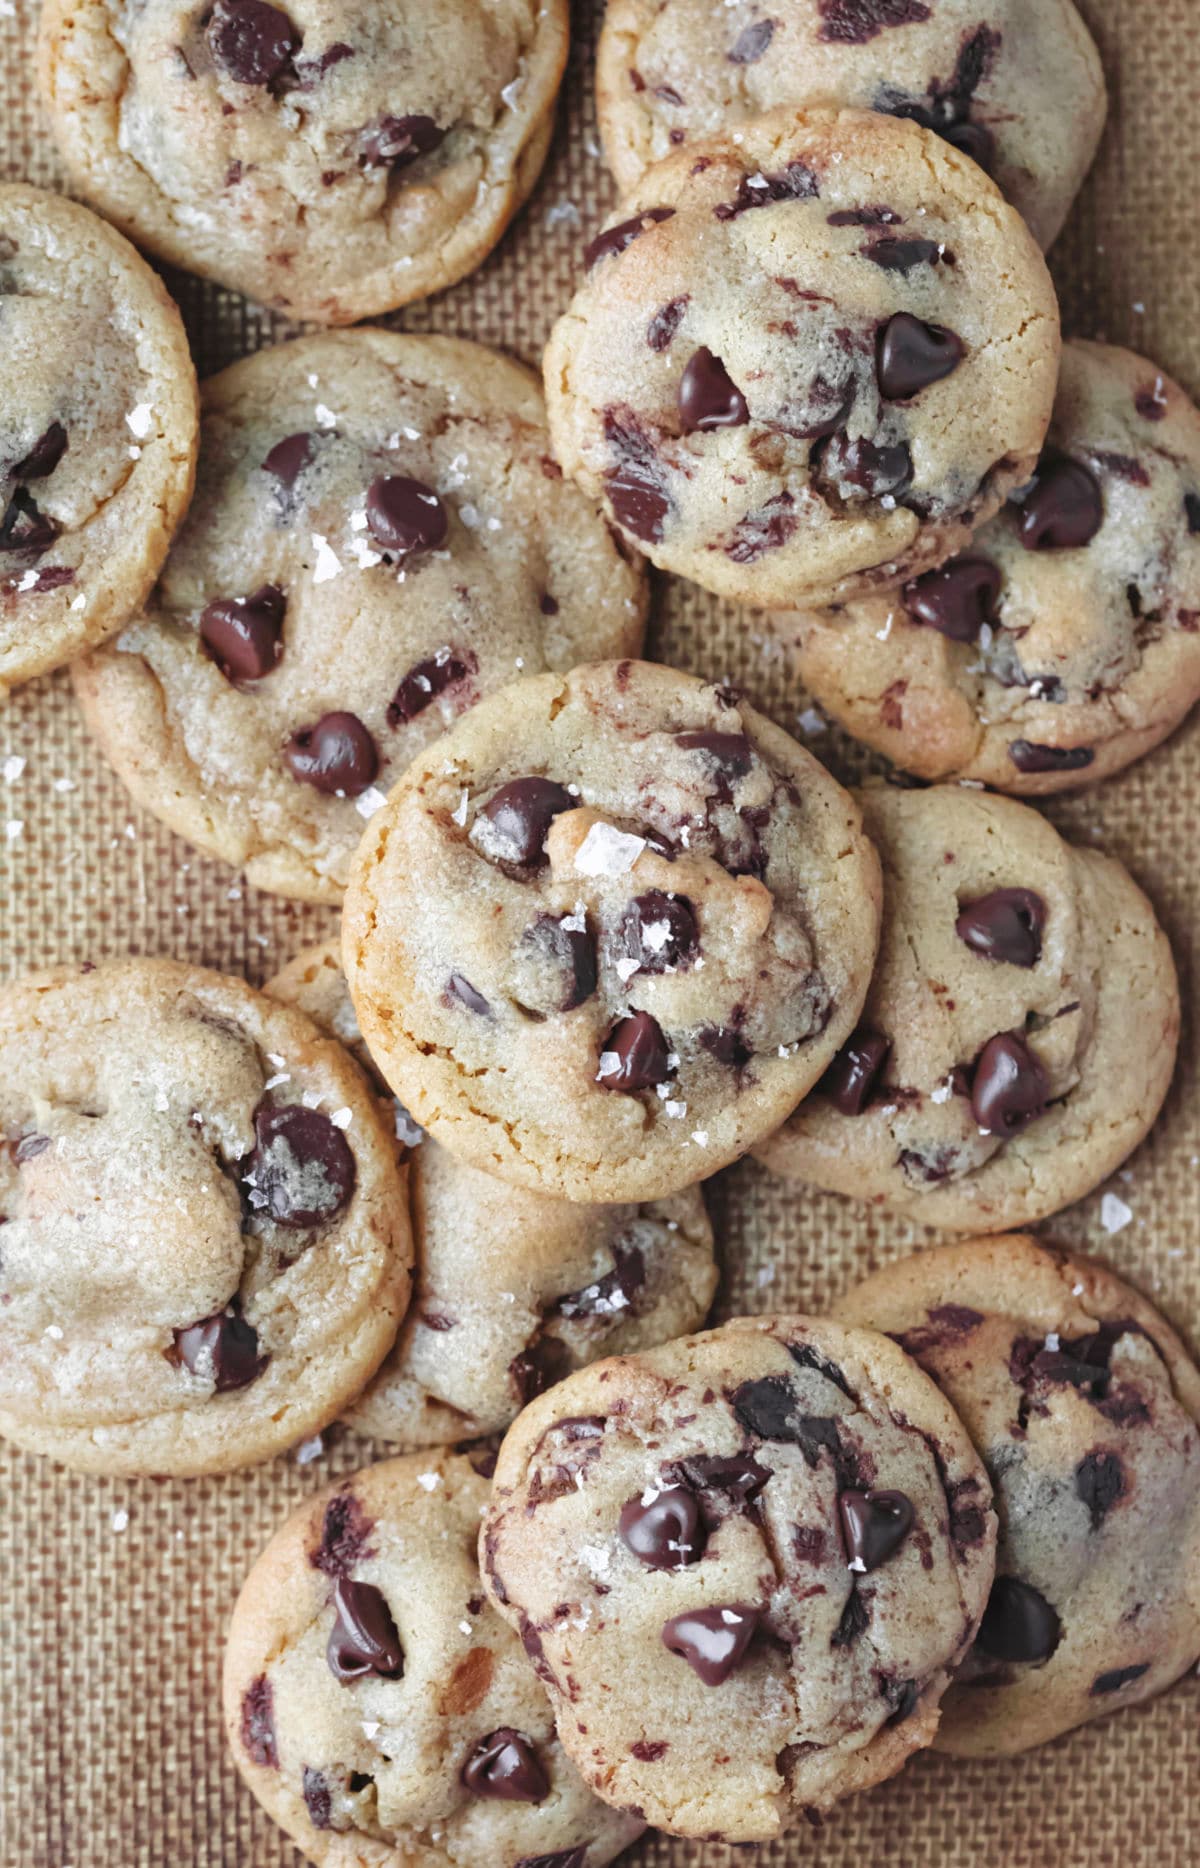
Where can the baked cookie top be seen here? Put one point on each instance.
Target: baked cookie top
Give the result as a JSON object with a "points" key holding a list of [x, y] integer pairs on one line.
{"points": [[809, 357], [1084, 1406], [333, 158], [206, 1244], [1020, 91], [377, 1705], [744, 1565], [1020, 1030], [608, 931], [379, 536], [98, 426], [1064, 642]]}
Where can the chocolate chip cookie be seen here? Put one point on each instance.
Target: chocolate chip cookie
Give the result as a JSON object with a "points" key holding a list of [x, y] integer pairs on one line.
{"points": [[1064, 642], [1020, 1031], [98, 427], [608, 931], [204, 1236], [513, 1289], [1084, 1406], [743, 1565], [331, 160], [1020, 90], [810, 356], [379, 536], [377, 1705]]}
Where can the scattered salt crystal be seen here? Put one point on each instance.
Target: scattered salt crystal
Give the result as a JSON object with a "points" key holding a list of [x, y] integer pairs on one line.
{"points": [[310, 1449], [610, 1065], [676, 1109], [342, 1118], [79, 602], [562, 214], [312, 1099], [1052, 1342], [120, 1520], [162, 1101], [325, 416], [429, 1481], [626, 969], [607, 851], [700, 1137], [576, 922], [1114, 1214], [812, 721], [273, 1083], [370, 801], [881, 635], [594, 1557], [370, 1727], [459, 813], [64, 784], [139, 420], [13, 829], [511, 91], [328, 564], [942, 1094], [465, 1628], [857, 1563], [13, 768], [764, 1275], [54, 1332]]}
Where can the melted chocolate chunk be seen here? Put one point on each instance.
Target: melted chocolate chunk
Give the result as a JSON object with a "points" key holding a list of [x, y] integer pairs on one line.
{"points": [[504, 1766], [288, 458], [301, 1172], [795, 182], [751, 42], [1119, 1677], [1009, 1087], [222, 1348], [874, 1525], [947, 109], [712, 1641], [1018, 1623], [395, 142], [459, 990], [336, 755], [902, 1697], [1099, 1483], [1005, 925], [614, 240], [244, 635], [956, 600], [571, 951], [640, 1049], [737, 1475], [730, 753], [854, 22], [258, 1723], [767, 1407], [660, 932], [252, 43], [666, 1533], [1027, 757], [727, 1044], [911, 354], [1191, 511], [318, 1799], [660, 331], [520, 815], [855, 1620], [405, 515], [25, 527], [858, 468], [708, 396], [1062, 508], [898, 255], [426, 680], [345, 1536], [537, 1368], [806, 1357], [611, 1294], [44, 456], [854, 1072], [364, 1638], [636, 486]]}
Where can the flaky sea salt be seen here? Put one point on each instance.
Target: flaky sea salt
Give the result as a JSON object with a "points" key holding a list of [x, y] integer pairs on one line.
{"points": [[1114, 1214], [13, 768], [342, 1118], [607, 851], [370, 801], [328, 563], [310, 1449], [429, 1481], [139, 420]]}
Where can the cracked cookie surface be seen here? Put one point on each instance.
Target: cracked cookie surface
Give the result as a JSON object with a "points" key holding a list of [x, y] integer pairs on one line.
{"points": [[809, 358], [333, 159], [1020, 1031], [98, 429], [743, 1565], [608, 931], [377, 1705], [1064, 642], [512, 1289], [205, 1245], [379, 536], [1084, 1406], [1019, 90]]}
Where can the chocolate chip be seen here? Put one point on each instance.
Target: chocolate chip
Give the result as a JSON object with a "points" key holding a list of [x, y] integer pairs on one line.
{"points": [[736, 1474], [902, 1697], [1018, 1623], [859, 468], [459, 990], [806, 1357], [1099, 1483], [854, 22], [395, 142], [665, 1532], [405, 515], [302, 1171], [638, 1045], [662, 327], [1005, 925], [518, 819], [244, 635], [767, 1407], [1009, 1088], [855, 1070], [795, 182], [731, 753], [1119, 1677], [426, 680], [864, 217], [874, 1525], [911, 354], [44, 456], [318, 1799], [571, 951], [1191, 511], [504, 1766], [1028, 757], [537, 1368], [345, 1536], [956, 600], [659, 931], [337, 754], [222, 1349], [364, 1638], [612, 1294], [903, 256], [854, 1622], [727, 1044], [25, 527], [1062, 508], [288, 458], [714, 1641], [751, 42], [708, 396], [636, 487], [258, 1723], [251, 42], [614, 240]]}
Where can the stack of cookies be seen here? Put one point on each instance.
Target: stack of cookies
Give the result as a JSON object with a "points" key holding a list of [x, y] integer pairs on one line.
{"points": [[363, 618]]}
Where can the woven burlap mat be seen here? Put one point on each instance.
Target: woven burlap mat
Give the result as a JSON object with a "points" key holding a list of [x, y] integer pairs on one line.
{"points": [[111, 1753]]}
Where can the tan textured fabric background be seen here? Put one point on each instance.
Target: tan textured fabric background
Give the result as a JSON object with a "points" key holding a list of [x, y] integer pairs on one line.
{"points": [[111, 1753]]}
